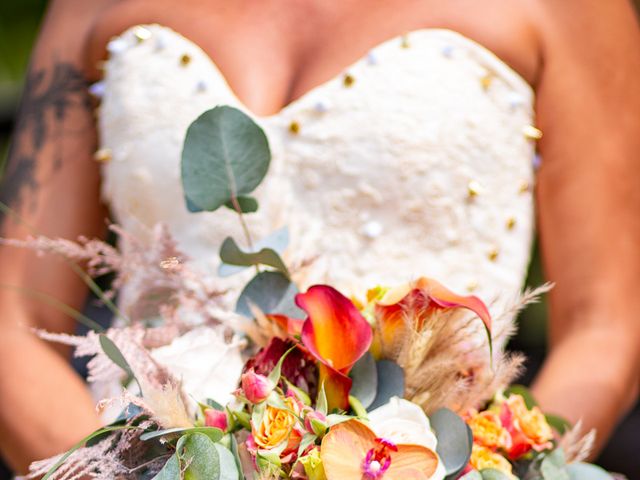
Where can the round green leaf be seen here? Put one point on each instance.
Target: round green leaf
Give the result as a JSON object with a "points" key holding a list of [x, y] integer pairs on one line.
{"points": [[586, 471], [454, 440], [201, 456], [365, 380], [493, 474], [225, 155], [390, 383], [246, 205], [553, 466], [472, 475], [171, 470], [271, 292], [228, 466]]}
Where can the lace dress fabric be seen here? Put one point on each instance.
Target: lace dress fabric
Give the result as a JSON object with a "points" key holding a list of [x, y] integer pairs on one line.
{"points": [[417, 160]]}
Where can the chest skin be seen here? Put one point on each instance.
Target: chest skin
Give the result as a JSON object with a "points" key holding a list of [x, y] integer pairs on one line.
{"points": [[273, 51]]}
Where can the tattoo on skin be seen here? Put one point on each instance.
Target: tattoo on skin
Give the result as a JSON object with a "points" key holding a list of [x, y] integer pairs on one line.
{"points": [[49, 95]]}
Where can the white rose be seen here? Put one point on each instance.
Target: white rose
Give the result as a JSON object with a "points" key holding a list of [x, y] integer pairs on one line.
{"points": [[402, 421], [207, 365]]}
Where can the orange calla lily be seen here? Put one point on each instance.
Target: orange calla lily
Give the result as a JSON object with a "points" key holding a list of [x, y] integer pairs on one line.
{"points": [[351, 451], [426, 295], [337, 335]]}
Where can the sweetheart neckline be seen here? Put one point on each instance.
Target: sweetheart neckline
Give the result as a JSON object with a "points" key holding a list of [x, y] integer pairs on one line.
{"points": [[498, 65]]}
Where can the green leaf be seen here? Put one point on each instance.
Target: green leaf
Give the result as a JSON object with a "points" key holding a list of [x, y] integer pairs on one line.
{"points": [[243, 418], [171, 470], [233, 448], [493, 474], [472, 475], [213, 404], [228, 466], [278, 241], [390, 383], [357, 407], [322, 405], [215, 434], [524, 392], [274, 375], [454, 440], [246, 204], [82, 442], [271, 292], [553, 466], [559, 424], [200, 454], [365, 380], [225, 155], [115, 355], [586, 471], [307, 439], [231, 254]]}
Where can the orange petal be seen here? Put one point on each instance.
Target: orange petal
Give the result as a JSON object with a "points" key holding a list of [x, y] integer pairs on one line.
{"points": [[412, 461], [336, 387], [344, 449], [292, 326], [335, 332], [439, 295]]}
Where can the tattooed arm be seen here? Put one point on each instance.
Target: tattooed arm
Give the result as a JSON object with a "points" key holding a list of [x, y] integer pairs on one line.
{"points": [[51, 183]]}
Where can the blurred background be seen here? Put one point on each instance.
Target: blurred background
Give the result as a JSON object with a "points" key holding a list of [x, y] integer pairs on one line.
{"points": [[19, 20]]}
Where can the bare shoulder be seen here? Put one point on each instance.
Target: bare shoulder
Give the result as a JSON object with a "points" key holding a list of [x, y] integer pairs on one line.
{"points": [[588, 29]]}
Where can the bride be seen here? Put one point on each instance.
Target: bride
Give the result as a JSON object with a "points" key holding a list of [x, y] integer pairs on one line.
{"points": [[403, 141]]}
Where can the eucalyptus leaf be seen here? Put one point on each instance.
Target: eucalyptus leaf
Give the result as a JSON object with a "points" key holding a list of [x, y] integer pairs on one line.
{"points": [[213, 404], [228, 466], [225, 155], [278, 241], [553, 466], [171, 470], [201, 456], [472, 475], [215, 434], [365, 380], [390, 383], [246, 205], [454, 440], [271, 292], [233, 448], [586, 471], [493, 474], [231, 254]]}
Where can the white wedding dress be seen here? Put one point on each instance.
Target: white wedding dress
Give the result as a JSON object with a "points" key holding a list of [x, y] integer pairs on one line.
{"points": [[417, 160]]}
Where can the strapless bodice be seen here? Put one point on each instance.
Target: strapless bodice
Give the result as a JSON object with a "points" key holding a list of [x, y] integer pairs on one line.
{"points": [[417, 160]]}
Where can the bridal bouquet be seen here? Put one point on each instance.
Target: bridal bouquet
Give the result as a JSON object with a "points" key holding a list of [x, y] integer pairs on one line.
{"points": [[403, 384]]}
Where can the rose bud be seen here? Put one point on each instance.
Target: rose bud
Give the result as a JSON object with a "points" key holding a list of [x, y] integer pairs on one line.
{"points": [[216, 418], [316, 423], [256, 387]]}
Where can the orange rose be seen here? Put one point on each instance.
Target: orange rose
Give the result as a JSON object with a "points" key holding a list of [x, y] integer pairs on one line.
{"points": [[488, 430], [482, 457], [528, 428], [276, 427]]}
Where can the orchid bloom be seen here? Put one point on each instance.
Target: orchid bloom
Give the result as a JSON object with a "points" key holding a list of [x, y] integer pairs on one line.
{"points": [[428, 295], [351, 451], [337, 334]]}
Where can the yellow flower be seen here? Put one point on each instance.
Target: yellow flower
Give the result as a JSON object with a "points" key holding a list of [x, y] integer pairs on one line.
{"points": [[276, 426], [483, 457], [488, 431], [532, 423]]}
